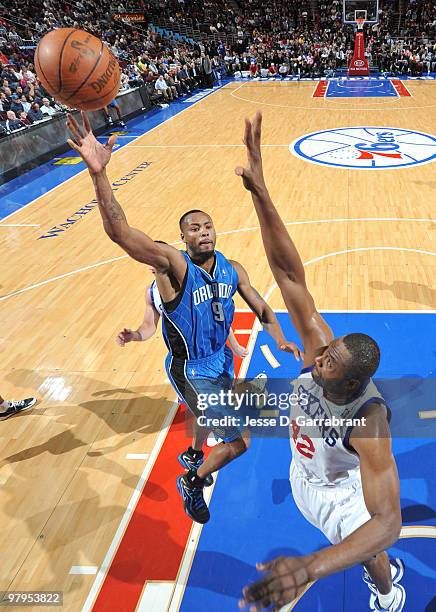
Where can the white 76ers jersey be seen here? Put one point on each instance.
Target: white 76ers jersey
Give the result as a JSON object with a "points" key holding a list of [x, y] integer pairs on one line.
{"points": [[155, 297], [321, 451]]}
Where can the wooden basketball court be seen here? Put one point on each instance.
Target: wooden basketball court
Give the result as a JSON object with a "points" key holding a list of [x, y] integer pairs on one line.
{"points": [[72, 469]]}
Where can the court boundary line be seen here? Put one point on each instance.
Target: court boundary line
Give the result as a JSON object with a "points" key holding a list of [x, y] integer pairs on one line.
{"points": [[181, 581], [355, 250], [383, 106], [117, 150], [225, 233], [19, 224], [130, 509], [123, 257]]}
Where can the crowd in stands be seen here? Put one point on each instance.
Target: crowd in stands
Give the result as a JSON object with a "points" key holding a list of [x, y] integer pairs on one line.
{"points": [[269, 38]]}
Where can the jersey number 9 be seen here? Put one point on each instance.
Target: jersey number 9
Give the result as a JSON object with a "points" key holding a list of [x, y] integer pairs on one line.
{"points": [[218, 312]]}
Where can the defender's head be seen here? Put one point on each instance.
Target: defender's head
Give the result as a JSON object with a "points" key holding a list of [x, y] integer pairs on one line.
{"points": [[346, 364], [198, 233]]}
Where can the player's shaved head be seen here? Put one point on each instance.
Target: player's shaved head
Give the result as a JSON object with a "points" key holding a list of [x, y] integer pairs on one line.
{"points": [[185, 217], [365, 356]]}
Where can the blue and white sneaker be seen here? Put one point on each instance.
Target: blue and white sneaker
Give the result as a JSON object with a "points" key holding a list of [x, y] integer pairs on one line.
{"points": [[17, 406], [397, 572], [191, 463], [193, 500], [396, 606]]}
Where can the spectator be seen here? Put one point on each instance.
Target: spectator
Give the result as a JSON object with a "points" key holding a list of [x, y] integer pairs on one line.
{"points": [[16, 105], [48, 109], [24, 119], [35, 113], [162, 88], [12, 123], [171, 84]]}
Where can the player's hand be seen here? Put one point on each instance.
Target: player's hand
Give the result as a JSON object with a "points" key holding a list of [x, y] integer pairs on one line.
{"points": [[240, 351], [285, 578], [291, 347], [252, 173], [125, 336], [95, 154]]}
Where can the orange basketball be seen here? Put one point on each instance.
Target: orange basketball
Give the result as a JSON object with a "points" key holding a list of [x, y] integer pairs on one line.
{"points": [[77, 69]]}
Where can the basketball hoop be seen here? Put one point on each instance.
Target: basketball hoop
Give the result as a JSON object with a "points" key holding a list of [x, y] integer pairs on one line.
{"points": [[360, 23]]}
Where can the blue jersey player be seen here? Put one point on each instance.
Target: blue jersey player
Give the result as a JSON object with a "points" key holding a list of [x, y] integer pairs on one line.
{"points": [[196, 287]]}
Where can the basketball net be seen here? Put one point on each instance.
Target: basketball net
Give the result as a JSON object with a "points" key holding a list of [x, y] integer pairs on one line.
{"points": [[360, 24]]}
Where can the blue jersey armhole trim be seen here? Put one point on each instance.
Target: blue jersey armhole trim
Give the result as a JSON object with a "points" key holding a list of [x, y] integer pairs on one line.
{"points": [[372, 400], [305, 370]]}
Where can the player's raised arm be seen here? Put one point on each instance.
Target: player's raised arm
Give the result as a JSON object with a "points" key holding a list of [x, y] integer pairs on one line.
{"points": [[283, 257], [263, 311], [137, 244], [286, 577]]}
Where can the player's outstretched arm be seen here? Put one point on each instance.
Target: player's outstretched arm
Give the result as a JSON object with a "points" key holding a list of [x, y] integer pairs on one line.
{"points": [[283, 257], [287, 577], [148, 327], [263, 311], [137, 244]]}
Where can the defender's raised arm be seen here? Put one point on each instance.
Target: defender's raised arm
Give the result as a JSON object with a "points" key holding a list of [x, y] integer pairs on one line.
{"points": [[283, 257]]}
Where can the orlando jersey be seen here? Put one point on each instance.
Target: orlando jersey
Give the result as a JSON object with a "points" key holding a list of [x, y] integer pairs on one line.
{"points": [[197, 322], [321, 452]]}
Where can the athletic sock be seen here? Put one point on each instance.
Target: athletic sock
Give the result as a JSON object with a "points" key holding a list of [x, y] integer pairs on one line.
{"points": [[195, 454], [386, 600], [4, 406]]}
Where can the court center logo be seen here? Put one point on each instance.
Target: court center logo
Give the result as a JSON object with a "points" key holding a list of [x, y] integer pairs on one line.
{"points": [[366, 148]]}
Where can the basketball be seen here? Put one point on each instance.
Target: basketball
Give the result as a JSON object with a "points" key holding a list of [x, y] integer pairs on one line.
{"points": [[77, 69]]}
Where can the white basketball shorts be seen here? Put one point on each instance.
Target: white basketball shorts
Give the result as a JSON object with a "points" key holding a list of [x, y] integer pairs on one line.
{"points": [[337, 511]]}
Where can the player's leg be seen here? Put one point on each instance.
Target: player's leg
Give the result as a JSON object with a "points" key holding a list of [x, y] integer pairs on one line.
{"points": [[224, 453], [193, 457], [381, 574], [337, 512], [109, 119], [117, 109]]}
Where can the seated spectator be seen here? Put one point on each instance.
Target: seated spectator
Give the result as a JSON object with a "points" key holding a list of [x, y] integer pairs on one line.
{"points": [[254, 69], [24, 119], [12, 123], [48, 108], [5, 105], [162, 88], [283, 69], [16, 105], [171, 84], [35, 113], [25, 103], [184, 78]]}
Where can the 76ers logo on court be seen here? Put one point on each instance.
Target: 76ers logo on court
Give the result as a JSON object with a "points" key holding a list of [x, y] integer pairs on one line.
{"points": [[367, 148]]}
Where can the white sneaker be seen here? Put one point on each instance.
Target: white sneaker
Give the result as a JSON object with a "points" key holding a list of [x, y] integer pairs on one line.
{"points": [[259, 382], [397, 572], [396, 606], [258, 386]]}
